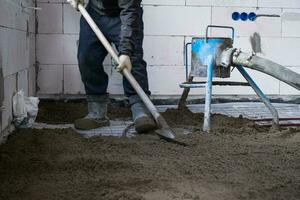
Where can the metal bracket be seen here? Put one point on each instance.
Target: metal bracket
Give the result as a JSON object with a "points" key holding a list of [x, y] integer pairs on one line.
{"points": [[187, 60], [224, 27], [239, 57]]}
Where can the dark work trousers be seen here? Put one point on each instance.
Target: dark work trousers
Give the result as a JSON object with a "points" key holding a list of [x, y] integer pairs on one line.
{"points": [[91, 55]]}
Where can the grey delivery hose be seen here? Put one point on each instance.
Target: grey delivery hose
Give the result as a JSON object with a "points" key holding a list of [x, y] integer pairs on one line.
{"points": [[268, 67]]}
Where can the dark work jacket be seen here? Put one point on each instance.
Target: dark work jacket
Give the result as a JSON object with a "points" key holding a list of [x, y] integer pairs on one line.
{"points": [[130, 15]]}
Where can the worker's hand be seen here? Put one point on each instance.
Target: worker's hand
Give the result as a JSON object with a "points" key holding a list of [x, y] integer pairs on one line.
{"points": [[124, 63], [75, 3]]}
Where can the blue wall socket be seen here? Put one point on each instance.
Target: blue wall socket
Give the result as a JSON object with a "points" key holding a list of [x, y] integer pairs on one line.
{"points": [[236, 16]]}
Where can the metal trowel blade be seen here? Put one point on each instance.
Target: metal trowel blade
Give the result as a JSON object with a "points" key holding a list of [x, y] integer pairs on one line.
{"points": [[165, 132], [168, 135]]}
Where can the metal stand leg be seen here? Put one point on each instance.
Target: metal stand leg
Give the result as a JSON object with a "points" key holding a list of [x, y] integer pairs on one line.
{"points": [[206, 125], [185, 94], [189, 78], [261, 95]]}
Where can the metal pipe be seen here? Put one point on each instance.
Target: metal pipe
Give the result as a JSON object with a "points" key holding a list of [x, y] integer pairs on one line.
{"points": [[217, 26], [280, 119], [201, 84], [261, 95], [268, 67], [283, 125], [186, 61], [207, 121], [185, 94], [189, 79]]}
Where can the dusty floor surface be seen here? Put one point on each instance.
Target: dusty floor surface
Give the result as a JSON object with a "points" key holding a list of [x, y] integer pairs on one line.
{"points": [[237, 161], [60, 112]]}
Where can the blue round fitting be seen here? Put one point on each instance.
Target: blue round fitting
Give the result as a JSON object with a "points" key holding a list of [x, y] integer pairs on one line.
{"points": [[244, 16], [236, 16], [252, 16]]}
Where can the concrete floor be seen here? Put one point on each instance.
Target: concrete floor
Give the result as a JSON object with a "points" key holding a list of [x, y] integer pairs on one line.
{"points": [[251, 110]]}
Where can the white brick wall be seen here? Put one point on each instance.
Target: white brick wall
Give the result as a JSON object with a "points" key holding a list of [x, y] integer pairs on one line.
{"points": [[169, 24], [17, 54]]}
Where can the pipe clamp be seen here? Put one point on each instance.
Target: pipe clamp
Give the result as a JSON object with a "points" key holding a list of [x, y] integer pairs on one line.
{"points": [[226, 57]]}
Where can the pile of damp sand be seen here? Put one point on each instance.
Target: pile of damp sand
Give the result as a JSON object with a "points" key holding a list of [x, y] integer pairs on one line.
{"points": [[60, 112], [237, 160]]}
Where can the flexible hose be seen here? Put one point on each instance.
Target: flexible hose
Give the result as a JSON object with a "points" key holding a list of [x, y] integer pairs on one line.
{"points": [[268, 67]]}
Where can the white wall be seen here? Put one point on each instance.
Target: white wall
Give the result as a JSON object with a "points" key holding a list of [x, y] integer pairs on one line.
{"points": [[169, 24], [17, 55]]}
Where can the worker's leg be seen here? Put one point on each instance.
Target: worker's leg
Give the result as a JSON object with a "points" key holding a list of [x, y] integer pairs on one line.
{"points": [[139, 70], [142, 118], [91, 55]]}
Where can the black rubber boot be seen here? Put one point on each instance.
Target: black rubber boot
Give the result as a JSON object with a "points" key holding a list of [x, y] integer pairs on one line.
{"points": [[89, 124], [97, 111], [143, 121]]}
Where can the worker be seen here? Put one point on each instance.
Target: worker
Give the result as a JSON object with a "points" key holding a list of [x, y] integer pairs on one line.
{"points": [[121, 23]]}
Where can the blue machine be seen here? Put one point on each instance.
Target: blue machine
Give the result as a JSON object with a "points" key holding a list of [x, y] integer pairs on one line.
{"points": [[205, 53], [202, 48]]}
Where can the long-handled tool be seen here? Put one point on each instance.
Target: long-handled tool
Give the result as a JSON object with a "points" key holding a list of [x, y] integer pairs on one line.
{"points": [[164, 130]]}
